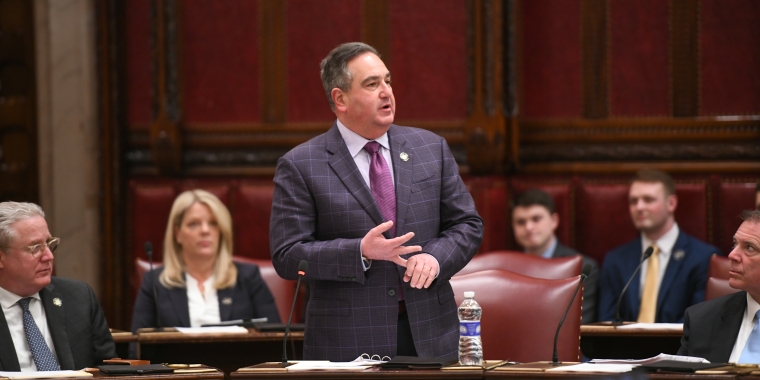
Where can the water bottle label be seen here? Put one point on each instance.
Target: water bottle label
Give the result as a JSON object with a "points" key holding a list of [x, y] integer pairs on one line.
{"points": [[469, 328]]}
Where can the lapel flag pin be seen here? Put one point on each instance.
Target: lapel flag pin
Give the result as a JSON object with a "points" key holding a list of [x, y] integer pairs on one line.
{"points": [[227, 301], [678, 255], [57, 301], [404, 156]]}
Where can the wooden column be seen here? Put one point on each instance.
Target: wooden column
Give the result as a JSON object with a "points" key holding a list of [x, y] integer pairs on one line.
{"points": [[165, 132], [684, 52], [595, 57], [273, 61], [485, 129]]}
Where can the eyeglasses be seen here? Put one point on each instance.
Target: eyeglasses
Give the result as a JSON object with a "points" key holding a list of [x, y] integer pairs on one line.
{"points": [[37, 249]]}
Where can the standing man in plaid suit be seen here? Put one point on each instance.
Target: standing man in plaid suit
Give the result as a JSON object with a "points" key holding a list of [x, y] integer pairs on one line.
{"points": [[381, 215]]}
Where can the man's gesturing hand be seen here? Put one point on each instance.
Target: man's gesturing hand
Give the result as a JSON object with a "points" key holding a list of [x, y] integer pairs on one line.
{"points": [[376, 247]]}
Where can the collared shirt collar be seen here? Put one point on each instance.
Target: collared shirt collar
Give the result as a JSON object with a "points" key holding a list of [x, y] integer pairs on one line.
{"points": [[752, 308], [665, 243], [356, 143], [8, 299], [549, 253]]}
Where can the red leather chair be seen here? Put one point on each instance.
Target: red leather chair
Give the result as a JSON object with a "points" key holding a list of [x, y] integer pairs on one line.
{"points": [[282, 289], [718, 287], [521, 314], [527, 265], [719, 266]]}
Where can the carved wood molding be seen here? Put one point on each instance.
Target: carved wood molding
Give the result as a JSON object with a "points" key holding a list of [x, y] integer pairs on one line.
{"points": [[641, 152], [684, 57], [654, 129], [633, 166], [595, 58]]}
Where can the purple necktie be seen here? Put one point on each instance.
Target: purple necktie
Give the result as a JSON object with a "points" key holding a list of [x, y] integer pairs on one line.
{"points": [[381, 184]]}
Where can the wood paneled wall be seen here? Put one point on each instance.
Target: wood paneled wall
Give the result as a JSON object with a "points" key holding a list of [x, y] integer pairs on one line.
{"points": [[538, 87]]}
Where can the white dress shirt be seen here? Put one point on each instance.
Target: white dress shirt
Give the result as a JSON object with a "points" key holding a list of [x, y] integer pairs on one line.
{"points": [[748, 323], [665, 243], [203, 308], [14, 316]]}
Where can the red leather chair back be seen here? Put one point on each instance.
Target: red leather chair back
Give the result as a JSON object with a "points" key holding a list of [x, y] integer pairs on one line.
{"points": [[718, 287], [282, 289], [521, 313], [527, 265], [719, 266]]}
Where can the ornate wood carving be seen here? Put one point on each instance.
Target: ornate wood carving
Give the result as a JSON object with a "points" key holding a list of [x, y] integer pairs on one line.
{"points": [[485, 130], [165, 133], [272, 60], [684, 52], [595, 57]]}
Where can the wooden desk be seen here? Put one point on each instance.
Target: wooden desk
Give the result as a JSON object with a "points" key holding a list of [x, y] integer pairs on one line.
{"points": [[227, 352], [122, 340], [604, 341]]}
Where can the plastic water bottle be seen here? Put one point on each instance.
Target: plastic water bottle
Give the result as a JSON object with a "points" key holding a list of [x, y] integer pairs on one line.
{"points": [[470, 345]]}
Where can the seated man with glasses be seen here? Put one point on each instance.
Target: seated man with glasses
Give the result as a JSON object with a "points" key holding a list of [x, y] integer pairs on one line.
{"points": [[49, 323]]}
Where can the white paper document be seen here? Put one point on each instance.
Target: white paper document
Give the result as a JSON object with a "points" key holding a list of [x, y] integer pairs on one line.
{"points": [[655, 359], [213, 330], [319, 365], [589, 367], [652, 326], [44, 374]]}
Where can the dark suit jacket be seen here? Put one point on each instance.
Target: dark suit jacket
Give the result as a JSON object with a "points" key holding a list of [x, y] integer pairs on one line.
{"points": [[322, 208], [79, 329], [249, 298], [682, 285], [589, 286], [710, 328]]}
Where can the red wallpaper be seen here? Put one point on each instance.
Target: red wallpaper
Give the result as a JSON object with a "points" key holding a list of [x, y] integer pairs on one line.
{"points": [[314, 28], [639, 58], [137, 19], [429, 58], [220, 61], [551, 58], [730, 57]]}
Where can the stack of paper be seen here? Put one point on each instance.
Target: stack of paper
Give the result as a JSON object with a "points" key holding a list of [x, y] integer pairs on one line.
{"points": [[213, 330], [655, 359], [44, 374]]}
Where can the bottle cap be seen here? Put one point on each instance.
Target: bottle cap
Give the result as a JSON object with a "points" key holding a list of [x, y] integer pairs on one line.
{"points": [[469, 294]]}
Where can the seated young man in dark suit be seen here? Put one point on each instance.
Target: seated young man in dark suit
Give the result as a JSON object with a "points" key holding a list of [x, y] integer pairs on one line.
{"points": [[47, 323], [534, 222], [673, 278], [726, 329]]}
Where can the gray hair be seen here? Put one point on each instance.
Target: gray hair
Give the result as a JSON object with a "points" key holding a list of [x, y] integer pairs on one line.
{"points": [[751, 216], [12, 212], [334, 68]]}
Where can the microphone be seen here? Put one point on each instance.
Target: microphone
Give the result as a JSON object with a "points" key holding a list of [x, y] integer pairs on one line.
{"points": [[647, 253], [149, 253], [302, 267], [584, 273]]}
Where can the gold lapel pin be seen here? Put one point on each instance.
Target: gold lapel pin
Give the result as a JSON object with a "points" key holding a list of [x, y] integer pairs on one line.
{"points": [[227, 301], [57, 302], [404, 156]]}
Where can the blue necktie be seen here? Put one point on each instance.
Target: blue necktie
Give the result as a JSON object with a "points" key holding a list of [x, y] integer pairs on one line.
{"points": [[43, 358], [751, 353]]}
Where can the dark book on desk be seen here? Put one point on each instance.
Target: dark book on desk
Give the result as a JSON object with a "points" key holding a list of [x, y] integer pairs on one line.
{"points": [[278, 327], [120, 369], [413, 362], [679, 366], [238, 322]]}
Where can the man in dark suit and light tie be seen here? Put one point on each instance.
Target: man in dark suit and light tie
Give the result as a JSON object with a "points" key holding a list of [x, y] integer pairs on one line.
{"points": [[47, 323], [381, 215], [726, 329], [534, 222], [673, 278]]}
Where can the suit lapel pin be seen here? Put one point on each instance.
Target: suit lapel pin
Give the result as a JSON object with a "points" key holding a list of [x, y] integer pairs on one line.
{"points": [[404, 156], [678, 255], [226, 301], [57, 301]]}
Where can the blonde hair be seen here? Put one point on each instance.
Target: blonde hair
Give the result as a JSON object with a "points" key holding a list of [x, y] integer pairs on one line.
{"points": [[225, 272]]}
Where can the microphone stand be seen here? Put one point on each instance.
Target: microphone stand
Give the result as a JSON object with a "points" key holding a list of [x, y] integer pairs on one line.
{"points": [[302, 267], [555, 355], [149, 253], [647, 253]]}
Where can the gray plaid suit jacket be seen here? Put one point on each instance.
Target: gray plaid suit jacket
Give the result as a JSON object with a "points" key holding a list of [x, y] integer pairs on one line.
{"points": [[321, 210]]}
